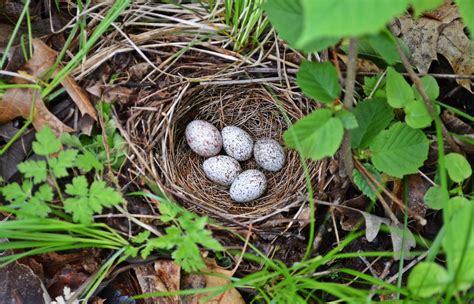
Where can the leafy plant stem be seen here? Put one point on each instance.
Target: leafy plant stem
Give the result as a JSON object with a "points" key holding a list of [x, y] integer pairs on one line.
{"points": [[440, 127], [348, 103]]}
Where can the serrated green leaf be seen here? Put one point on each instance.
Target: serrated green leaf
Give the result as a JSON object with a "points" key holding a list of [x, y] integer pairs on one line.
{"points": [[458, 167], [70, 140], [65, 160], [34, 169], [348, 119], [315, 136], [436, 197], [85, 201], [100, 195], [87, 161], [141, 237], [14, 193], [431, 88], [399, 92], [282, 13], [319, 81], [419, 6], [458, 242], [33, 208], [362, 183], [46, 142], [466, 9], [44, 193], [427, 279], [79, 208], [417, 115], [342, 18], [373, 116], [399, 150]]}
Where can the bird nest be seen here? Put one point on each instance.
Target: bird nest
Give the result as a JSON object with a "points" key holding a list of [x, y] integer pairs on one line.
{"points": [[164, 156]]}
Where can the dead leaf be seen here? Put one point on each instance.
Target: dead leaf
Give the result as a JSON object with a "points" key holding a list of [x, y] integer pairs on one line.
{"points": [[161, 276], [416, 191], [439, 32], [193, 281], [19, 102], [21, 285]]}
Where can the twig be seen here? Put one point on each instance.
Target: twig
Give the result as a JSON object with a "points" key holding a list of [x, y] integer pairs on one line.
{"points": [[420, 88], [348, 100], [435, 75]]}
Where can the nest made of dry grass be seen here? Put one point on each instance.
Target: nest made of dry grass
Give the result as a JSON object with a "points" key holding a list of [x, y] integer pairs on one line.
{"points": [[179, 170]]}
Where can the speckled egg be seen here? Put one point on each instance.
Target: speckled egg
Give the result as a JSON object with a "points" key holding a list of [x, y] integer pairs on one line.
{"points": [[203, 138], [221, 169], [248, 186], [269, 154], [237, 143]]}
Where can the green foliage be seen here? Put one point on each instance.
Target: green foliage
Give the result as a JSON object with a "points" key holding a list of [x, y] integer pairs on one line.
{"points": [[86, 200], [399, 92], [373, 116], [458, 167], [362, 183], [466, 7], [419, 6], [343, 18], [427, 279], [317, 135], [417, 115], [458, 242], [183, 237], [379, 46], [348, 119], [431, 88], [319, 81], [436, 197], [400, 150]]}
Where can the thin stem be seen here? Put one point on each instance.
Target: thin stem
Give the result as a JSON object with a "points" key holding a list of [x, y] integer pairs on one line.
{"points": [[348, 103]]}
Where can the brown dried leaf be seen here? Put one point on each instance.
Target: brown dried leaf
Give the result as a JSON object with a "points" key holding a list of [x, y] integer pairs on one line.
{"points": [[19, 102], [231, 296], [416, 191], [161, 276], [439, 32]]}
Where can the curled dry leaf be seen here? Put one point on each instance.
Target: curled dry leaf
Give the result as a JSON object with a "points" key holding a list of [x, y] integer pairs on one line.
{"points": [[162, 276], [439, 32], [19, 102]]}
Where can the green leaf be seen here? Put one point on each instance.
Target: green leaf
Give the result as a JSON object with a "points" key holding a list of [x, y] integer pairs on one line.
{"points": [[343, 18], [458, 167], [383, 44], [427, 279], [362, 183], [399, 150], [44, 193], [458, 242], [315, 136], [431, 88], [399, 92], [84, 201], [348, 119], [371, 82], [15, 194], [373, 116], [319, 81], [466, 9], [417, 115], [46, 142], [70, 140], [87, 161], [419, 6], [436, 197], [64, 161], [34, 169], [283, 13], [141, 237], [34, 208]]}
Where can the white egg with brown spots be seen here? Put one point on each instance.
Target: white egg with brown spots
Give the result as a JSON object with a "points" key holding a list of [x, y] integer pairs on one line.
{"points": [[248, 186], [221, 169], [269, 154], [237, 143], [203, 138]]}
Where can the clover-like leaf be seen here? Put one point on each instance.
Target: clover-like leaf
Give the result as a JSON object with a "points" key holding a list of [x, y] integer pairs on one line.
{"points": [[458, 167], [399, 92]]}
